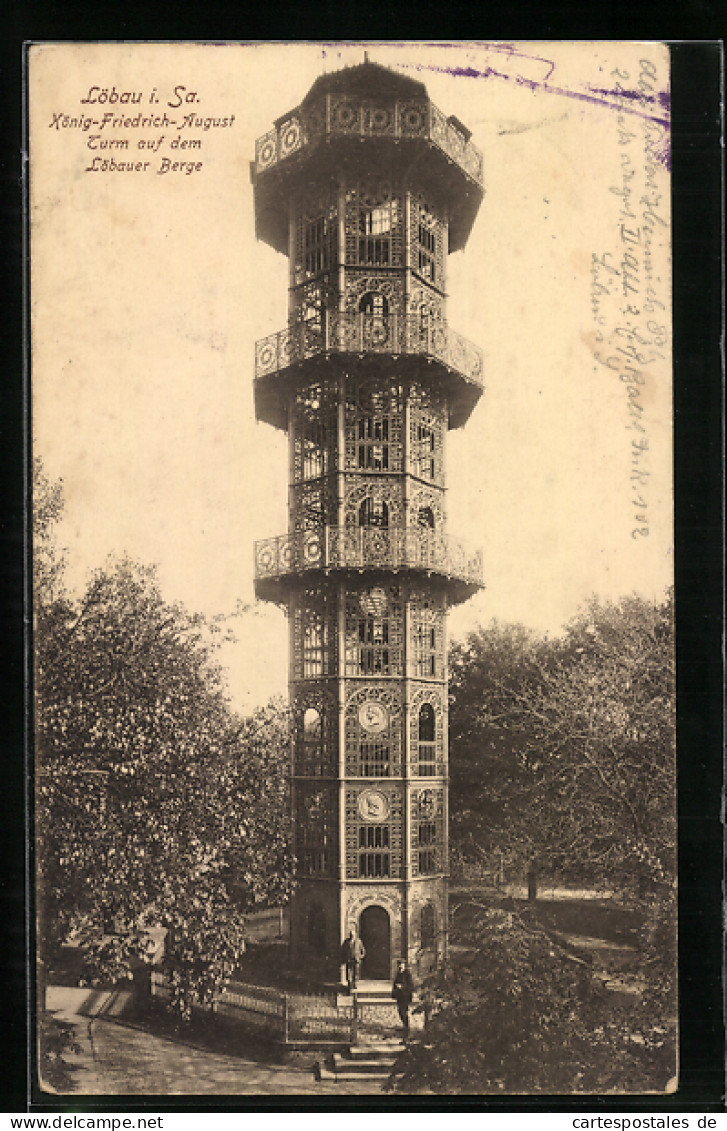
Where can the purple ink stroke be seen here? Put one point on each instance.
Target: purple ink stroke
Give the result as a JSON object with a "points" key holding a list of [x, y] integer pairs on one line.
{"points": [[596, 98]]}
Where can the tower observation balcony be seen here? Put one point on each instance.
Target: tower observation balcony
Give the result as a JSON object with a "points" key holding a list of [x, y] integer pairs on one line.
{"points": [[386, 110], [456, 363], [392, 549]]}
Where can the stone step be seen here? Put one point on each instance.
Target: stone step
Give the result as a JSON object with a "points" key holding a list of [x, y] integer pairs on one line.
{"points": [[369, 1051], [327, 1074], [345, 1063]]}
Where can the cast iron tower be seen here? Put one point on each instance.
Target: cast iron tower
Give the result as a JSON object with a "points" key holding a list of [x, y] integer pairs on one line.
{"points": [[366, 187]]}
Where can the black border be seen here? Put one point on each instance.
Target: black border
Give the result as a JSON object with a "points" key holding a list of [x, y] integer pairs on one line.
{"points": [[697, 76]]}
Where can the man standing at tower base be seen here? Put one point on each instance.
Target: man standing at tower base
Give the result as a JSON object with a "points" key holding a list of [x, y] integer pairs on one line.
{"points": [[353, 953]]}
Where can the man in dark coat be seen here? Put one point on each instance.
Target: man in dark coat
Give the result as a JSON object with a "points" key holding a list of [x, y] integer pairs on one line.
{"points": [[402, 992], [353, 953]]}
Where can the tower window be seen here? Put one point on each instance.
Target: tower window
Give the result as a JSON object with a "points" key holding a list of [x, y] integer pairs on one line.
{"points": [[374, 313], [373, 443], [373, 836], [311, 753], [373, 512], [426, 245], [428, 928], [425, 645], [373, 636], [373, 759], [375, 227], [314, 632], [426, 747], [319, 241], [315, 846]]}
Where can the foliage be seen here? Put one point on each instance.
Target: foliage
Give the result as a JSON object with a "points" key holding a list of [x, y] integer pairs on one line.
{"points": [[562, 750], [156, 805], [56, 1039], [518, 1014], [561, 755]]}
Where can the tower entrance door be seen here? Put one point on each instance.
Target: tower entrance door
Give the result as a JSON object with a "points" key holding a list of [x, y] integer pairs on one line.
{"points": [[375, 933]]}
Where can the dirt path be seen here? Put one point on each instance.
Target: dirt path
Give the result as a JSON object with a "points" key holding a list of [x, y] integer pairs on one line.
{"points": [[119, 1059]]}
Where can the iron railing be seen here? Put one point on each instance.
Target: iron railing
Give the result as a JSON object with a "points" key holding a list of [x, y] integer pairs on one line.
{"points": [[335, 115], [398, 547], [334, 332]]}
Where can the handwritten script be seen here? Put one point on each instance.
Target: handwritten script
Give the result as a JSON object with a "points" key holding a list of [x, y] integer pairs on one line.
{"points": [[628, 287]]}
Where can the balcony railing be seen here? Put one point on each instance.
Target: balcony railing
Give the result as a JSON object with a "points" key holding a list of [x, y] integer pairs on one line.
{"points": [[344, 114], [334, 332], [395, 548]]}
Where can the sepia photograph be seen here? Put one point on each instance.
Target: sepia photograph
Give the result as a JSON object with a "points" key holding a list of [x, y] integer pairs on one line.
{"points": [[352, 525]]}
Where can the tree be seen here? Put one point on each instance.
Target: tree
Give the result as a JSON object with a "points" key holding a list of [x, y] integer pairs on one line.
{"points": [[519, 1014], [156, 805], [564, 749], [560, 750]]}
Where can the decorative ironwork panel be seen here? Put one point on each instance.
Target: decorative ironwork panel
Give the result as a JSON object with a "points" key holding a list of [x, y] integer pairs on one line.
{"points": [[374, 632], [358, 286], [427, 925], [427, 831], [373, 732], [316, 829], [349, 115], [266, 150], [412, 118], [315, 731], [345, 114], [427, 732], [362, 547], [374, 419], [427, 622], [374, 832], [330, 331], [291, 136], [315, 430], [373, 502], [428, 420], [314, 119], [427, 241], [438, 127], [374, 224], [310, 308], [313, 505], [315, 636], [316, 235], [379, 119], [426, 509]]}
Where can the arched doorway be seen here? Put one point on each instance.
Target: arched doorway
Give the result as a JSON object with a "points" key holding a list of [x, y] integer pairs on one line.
{"points": [[375, 933]]}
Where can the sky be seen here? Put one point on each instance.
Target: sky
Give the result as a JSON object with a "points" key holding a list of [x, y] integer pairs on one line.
{"points": [[148, 291]]}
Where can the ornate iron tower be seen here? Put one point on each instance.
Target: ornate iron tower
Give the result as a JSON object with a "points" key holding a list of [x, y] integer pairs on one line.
{"points": [[366, 187]]}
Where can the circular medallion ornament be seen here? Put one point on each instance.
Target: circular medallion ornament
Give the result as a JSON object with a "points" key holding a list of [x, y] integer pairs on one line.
{"points": [[267, 154], [373, 717], [374, 602], [290, 138], [265, 559], [380, 119], [345, 115], [373, 805], [266, 356], [413, 120], [312, 548]]}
